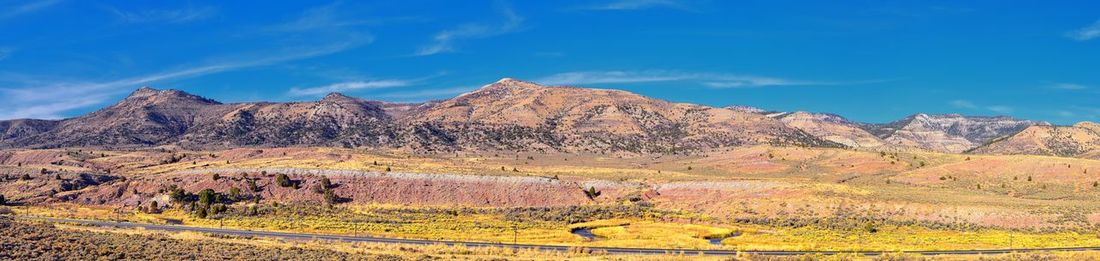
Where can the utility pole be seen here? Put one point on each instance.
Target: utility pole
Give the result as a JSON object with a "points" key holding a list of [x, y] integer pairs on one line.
{"points": [[515, 238]]}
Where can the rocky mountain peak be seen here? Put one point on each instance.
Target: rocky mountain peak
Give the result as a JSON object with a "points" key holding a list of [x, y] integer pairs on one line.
{"points": [[509, 83], [338, 97], [144, 91], [148, 95]]}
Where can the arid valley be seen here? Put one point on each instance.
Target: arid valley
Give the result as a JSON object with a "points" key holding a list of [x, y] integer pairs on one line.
{"points": [[516, 162], [582, 130]]}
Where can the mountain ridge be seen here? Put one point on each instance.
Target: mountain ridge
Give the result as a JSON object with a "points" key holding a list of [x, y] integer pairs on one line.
{"points": [[509, 114]]}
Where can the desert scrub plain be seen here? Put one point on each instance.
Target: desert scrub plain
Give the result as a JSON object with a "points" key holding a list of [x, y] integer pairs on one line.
{"points": [[747, 198], [32, 241], [23, 240]]}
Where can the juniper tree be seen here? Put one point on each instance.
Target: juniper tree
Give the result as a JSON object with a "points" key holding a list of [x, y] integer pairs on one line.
{"points": [[282, 180], [207, 197]]}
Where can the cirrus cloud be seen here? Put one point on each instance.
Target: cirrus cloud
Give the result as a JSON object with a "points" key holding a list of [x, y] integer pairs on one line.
{"points": [[444, 41], [174, 16], [348, 86], [1085, 33], [712, 80], [620, 5]]}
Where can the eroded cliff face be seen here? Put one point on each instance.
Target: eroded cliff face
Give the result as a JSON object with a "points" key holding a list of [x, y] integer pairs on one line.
{"points": [[951, 133], [833, 128]]}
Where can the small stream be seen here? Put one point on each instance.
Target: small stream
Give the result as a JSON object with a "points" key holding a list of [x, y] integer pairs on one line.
{"points": [[584, 232], [718, 240]]}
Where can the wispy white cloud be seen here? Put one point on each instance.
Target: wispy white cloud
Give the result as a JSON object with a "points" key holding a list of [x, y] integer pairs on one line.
{"points": [[969, 105], [964, 104], [713, 80], [357, 84], [326, 17], [5, 52], [421, 95], [1068, 86], [26, 7], [176, 16], [1086, 33], [348, 86], [48, 100], [598, 77], [1000, 109], [1087, 111], [443, 42], [636, 5], [41, 97]]}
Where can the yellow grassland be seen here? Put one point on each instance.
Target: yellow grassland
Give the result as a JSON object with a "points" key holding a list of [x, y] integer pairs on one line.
{"points": [[611, 232]]}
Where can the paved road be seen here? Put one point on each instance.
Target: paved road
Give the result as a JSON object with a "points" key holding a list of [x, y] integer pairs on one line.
{"points": [[609, 250]]}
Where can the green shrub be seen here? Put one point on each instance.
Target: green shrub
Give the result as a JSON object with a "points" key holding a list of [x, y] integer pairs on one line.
{"points": [[234, 194], [178, 195], [252, 186], [330, 197], [207, 197], [592, 193], [283, 181]]}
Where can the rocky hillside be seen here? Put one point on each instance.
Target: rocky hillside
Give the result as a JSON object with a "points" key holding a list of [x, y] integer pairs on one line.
{"points": [[335, 120], [831, 127], [146, 117], [508, 114], [949, 132], [516, 114], [24, 127], [1080, 140]]}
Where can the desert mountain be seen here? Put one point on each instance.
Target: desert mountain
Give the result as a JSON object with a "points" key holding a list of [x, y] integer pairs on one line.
{"points": [[146, 117], [949, 132], [508, 114], [335, 120], [1080, 140], [831, 127], [24, 127], [516, 114]]}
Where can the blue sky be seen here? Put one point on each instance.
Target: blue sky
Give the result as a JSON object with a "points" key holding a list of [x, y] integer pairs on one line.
{"points": [[872, 61]]}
